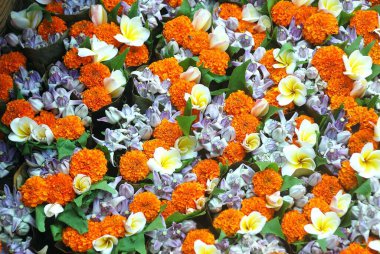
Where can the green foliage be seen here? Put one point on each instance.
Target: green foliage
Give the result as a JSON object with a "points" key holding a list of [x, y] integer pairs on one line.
{"points": [[237, 80], [134, 11], [289, 181], [266, 164], [74, 217], [117, 62], [184, 9], [185, 123], [273, 227], [65, 148], [40, 218]]}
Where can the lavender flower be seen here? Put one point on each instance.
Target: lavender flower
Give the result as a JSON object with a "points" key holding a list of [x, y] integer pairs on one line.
{"points": [[149, 85], [29, 83], [71, 7], [8, 158], [164, 184], [59, 75], [46, 162]]}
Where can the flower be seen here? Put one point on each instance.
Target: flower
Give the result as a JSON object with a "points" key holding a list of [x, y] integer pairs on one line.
{"points": [[365, 22], [93, 75], [297, 158], [228, 221], [328, 61], [69, 127], [244, 124], [90, 162], [250, 13], [238, 103], [168, 132], [192, 74], [51, 210], [95, 98], [11, 62], [357, 66], [82, 242], [194, 235], [228, 10], [150, 146], [107, 32], [327, 188], [98, 14], [133, 166], [202, 20], [114, 225], [323, 225], [282, 13], [206, 170], [83, 27], [196, 41], [22, 129], [26, 18], [252, 223], [307, 133], [366, 163], [104, 244], [285, 59], [147, 203], [176, 28], [374, 245], [186, 146], [319, 203], [48, 28], [165, 161], [43, 134], [359, 139], [200, 97], [115, 83], [6, 85], [167, 68], [257, 204], [135, 223], [319, 26], [251, 142], [292, 226], [203, 248], [340, 203], [34, 191], [234, 152], [333, 7], [347, 176], [100, 50], [300, 3], [81, 183], [376, 131], [132, 31], [61, 191], [136, 56], [266, 182], [73, 61], [274, 201], [17, 109], [303, 13], [219, 39], [185, 195], [355, 247], [260, 108], [215, 60], [291, 90], [177, 92]]}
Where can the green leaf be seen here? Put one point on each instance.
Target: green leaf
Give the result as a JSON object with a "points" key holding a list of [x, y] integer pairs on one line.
{"points": [[216, 191], [86, 43], [190, 61], [126, 244], [220, 91], [74, 217], [134, 11], [184, 9], [323, 244], [223, 169], [102, 185], [222, 235], [65, 148], [139, 243], [188, 108], [179, 217], [353, 46], [290, 181], [232, 50], [375, 72], [339, 233], [376, 8], [40, 218], [283, 208], [82, 140], [266, 164], [320, 161], [272, 110], [4, 129], [237, 80], [132, 243], [365, 51], [207, 77], [344, 18], [112, 16], [273, 227], [156, 224], [117, 62], [346, 219], [185, 123], [286, 47], [364, 188], [56, 231]]}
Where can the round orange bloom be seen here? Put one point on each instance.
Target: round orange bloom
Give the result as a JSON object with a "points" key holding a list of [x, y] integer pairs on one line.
{"points": [[106, 32], [257, 204], [215, 60], [60, 189], [89, 162], [359, 139], [82, 27], [315, 203], [69, 127], [11, 62], [244, 26], [374, 2], [34, 191], [167, 68], [282, 13], [234, 152], [185, 195], [302, 117], [176, 28], [230, 10], [361, 115], [347, 176], [319, 26], [54, 7], [196, 41], [329, 62], [228, 221], [56, 25], [73, 61], [196, 234], [6, 85], [174, 3], [147, 203], [339, 85], [97, 97], [93, 74], [177, 92], [133, 166], [374, 53], [292, 226], [347, 101], [355, 248], [168, 132], [271, 97], [244, 124], [303, 13], [327, 188], [238, 103], [365, 22], [136, 56], [207, 169], [268, 61], [114, 225], [266, 182], [169, 209], [17, 109], [150, 146], [258, 39]]}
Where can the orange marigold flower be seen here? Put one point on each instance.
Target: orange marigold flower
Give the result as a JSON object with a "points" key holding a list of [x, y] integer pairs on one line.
{"points": [[133, 166], [93, 74], [196, 234], [110, 4], [136, 56], [362, 116], [174, 3], [244, 124], [347, 176], [266, 182], [258, 39], [97, 97], [257, 204], [207, 169], [150, 146], [114, 225], [359, 139], [341, 85], [106, 32], [196, 41], [374, 2], [347, 101], [147, 203], [271, 97], [215, 60], [89, 162], [244, 26], [69, 127], [177, 92], [282, 13], [73, 61], [276, 74], [327, 188], [238, 103], [234, 152], [167, 68], [46, 27], [11, 62], [374, 53], [292, 226], [34, 191], [54, 7], [329, 62], [168, 132], [60, 189], [228, 221], [355, 248], [6, 85], [302, 117], [176, 28], [230, 10], [169, 209], [315, 203], [82, 27], [16, 109], [303, 13], [185, 195], [319, 26], [365, 22]]}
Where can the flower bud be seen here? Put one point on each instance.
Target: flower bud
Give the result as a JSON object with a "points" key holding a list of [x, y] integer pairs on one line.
{"points": [[145, 132], [22, 228], [288, 199], [12, 39], [250, 14], [51, 210], [297, 191], [81, 111], [42, 133], [98, 14], [274, 201], [154, 120], [263, 24], [261, 108], [359, 89], [192, 74], [200, 203], [211, 184], [314, 179], [312, 73], [36, 103], [301, 202], [215, 205], [219, 39], [202, 20]]}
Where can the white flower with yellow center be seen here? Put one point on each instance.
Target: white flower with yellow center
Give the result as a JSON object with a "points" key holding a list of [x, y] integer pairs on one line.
{"points": [[285, 59], [300, 3], [376, 131], [104, 244], [323, 225], [22, 129], [374, 245], [132, 31], [250, 13], [135, 223], [274, 201], [43, 134], [100, 50], [291, 90], [200, 97], [333, 7], [298, 158], [219, 39], [252, 223], [357, 66], [186, 146], [251, 142], [200, 203], [115, 84], [81, 183], [366, 163], [203, 248], [307, 133], [340, 203], [165, 161], [51, 210]]}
